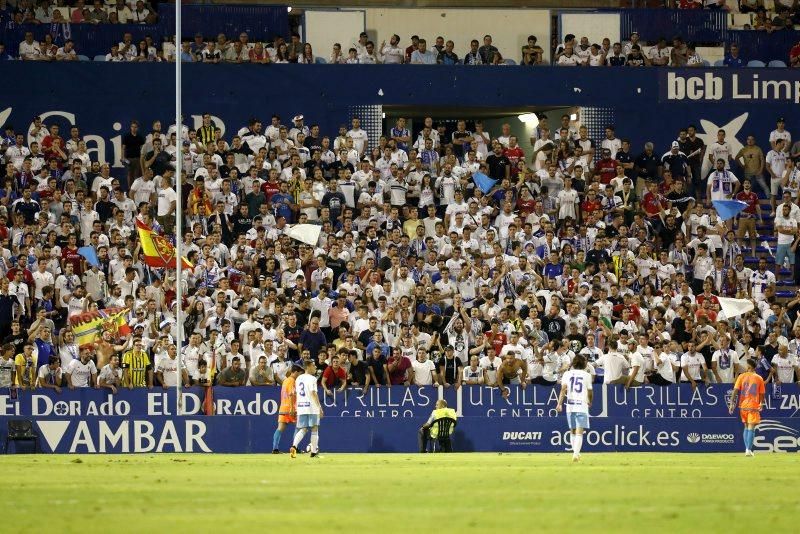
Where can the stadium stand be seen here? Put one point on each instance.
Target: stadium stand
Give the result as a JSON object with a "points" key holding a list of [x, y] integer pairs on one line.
{"points": [[439, 248]]}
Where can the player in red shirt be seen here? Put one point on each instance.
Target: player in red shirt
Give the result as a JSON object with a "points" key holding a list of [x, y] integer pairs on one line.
{"points": [[749, 389], [747, 218]]}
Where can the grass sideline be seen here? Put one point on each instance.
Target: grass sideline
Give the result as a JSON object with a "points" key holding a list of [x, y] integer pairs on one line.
{"points": [[402, 492]]}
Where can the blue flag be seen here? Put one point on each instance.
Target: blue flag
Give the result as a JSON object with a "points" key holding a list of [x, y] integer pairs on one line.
{"points": [[91, 255], [728, 209], [483, 182]]}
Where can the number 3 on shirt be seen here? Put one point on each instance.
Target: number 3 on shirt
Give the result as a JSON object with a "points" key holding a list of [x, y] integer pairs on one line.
{"points": [[576, 383], [302, 389]]}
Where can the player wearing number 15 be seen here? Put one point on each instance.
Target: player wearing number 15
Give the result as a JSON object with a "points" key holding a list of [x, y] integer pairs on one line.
{"points": [[576, 387], [309, 409], [749, 389]]}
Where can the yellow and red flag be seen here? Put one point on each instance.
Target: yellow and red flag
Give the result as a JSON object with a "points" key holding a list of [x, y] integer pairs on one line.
{"points": [[88, 327], [158, 251]]}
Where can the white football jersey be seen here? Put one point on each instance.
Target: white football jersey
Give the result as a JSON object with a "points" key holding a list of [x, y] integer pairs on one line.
{"points": [[578, 383], [304, 386]]}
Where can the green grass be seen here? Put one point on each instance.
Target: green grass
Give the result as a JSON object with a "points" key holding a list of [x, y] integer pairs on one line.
{"points": [[384, 493]]}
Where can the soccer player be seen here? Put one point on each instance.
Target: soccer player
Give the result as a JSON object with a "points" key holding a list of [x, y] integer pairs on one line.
{"points": [[309, 409], [287, 412], [576, 387], [749, 388]]}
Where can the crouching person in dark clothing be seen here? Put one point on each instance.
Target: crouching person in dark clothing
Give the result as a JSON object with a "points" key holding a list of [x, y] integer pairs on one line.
{"points": [[430, 430]]}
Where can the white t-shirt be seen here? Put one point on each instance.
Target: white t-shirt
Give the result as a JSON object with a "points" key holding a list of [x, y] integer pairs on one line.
{"points": [[722, 184], [777, 161], [304, 386], [636, 360], [613, 364], [665, 369], [81, 372], [169, 367], [423, 372], [578, 383], [726, 361], [166, 196], [695, 364], [360, 139], [784, 367]]}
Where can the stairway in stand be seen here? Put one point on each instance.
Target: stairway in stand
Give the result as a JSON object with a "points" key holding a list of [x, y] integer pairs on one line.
{"points": [[786, 287]]}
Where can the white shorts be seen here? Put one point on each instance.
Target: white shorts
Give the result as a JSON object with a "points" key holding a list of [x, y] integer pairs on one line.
{"points": [[307, 420], [578, 420]]}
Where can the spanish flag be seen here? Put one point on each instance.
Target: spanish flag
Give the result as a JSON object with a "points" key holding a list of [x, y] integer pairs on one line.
{"points": [[158, 251]]}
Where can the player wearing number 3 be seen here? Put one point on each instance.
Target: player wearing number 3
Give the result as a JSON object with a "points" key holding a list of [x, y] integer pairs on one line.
{"points": [[309, 410], [749, 389], [576, 387]]}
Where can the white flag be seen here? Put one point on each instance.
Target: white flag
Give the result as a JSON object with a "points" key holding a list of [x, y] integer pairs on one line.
{"points": [[735, 307], [306, 233]]}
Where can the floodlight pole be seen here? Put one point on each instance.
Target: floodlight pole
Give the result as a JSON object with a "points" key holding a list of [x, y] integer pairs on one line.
{"points": [[178, 209]]}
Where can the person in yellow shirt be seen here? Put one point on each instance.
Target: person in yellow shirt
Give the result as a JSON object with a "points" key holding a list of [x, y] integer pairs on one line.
{"points": [[287, 413], [137, 370], [26, 367], [430, 429]]}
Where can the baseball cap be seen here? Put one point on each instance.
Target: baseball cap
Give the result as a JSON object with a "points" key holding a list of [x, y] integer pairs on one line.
{"points": [[675, 144], [781, 119], [449, 347], [297, 118]]}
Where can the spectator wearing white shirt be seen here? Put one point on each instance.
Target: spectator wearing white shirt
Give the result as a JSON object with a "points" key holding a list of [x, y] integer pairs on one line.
{"points": [[359, 136], [423, 56], [392, 53], [29, 49], [82, 372]]}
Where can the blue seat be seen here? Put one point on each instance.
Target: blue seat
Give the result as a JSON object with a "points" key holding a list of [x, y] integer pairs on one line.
{"points": [[777, 63], [100, 57], [706, 63], [83, 58], [320, 60], [719, 63], [510, 62], [755, 63]]}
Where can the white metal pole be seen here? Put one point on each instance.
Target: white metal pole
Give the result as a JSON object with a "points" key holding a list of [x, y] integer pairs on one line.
{"points": [[178, 208]]}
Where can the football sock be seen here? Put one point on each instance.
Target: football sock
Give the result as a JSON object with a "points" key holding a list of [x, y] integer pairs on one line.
{"points": [[276, 439], [577, 442], [299, 435], [315, 441], [751, 436], [746, 438]]}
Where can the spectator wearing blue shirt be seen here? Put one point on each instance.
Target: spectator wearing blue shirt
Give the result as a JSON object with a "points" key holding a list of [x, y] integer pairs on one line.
{"points": [[423, 56], [428, 311], [377, 342], [43, 341], [312, 339], [733, 59], [283, 203], [447, 56], [553, 268]]}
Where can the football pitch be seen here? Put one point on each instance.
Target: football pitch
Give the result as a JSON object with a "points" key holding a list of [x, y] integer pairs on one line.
{"points": [[402, 492]]}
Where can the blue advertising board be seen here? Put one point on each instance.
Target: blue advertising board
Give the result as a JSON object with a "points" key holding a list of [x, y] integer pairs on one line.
{"points": [[386, 419]]}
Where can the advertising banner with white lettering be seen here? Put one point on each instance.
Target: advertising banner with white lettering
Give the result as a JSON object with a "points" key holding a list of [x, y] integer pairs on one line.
{"points": [[251, 434], [672, 402], [386, 419]]}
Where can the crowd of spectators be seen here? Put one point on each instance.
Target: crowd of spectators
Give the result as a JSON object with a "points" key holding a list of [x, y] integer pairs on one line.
{"points": [[21, 12], [419, 276]]}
